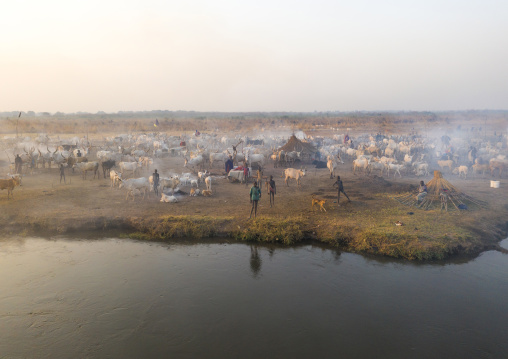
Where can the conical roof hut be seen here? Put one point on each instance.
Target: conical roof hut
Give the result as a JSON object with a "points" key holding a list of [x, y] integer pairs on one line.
{"points": [[437, 185], [294, 144]]}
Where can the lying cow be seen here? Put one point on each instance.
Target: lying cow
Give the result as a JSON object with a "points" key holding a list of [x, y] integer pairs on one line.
{"points": [[168, 199]]}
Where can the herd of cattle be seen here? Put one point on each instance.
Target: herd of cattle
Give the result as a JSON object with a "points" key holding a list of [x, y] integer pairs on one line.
{"points": [[125, 156]]}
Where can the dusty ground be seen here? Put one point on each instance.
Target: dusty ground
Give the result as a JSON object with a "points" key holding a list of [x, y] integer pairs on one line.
{"points": [[43, 205]]}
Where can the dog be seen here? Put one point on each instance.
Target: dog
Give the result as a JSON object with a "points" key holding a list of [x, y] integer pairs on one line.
{"points": [[206, 193], [319, 202], [194, 192]]}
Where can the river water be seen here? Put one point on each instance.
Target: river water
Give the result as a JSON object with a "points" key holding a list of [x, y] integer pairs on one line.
{"points": [[117, 298]]}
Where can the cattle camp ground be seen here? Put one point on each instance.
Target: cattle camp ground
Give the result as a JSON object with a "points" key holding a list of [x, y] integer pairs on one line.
{"points": [[375, 167]]}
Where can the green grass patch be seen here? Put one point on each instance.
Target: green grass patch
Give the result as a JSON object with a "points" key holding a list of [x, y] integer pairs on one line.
{"points": [[285, 231], [169, 227]]}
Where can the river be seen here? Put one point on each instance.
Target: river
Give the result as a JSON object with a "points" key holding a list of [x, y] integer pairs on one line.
{"points": [[118, 298]]}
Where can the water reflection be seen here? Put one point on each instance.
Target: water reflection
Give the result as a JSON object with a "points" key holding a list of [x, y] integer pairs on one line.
{"points": [[255, 260], [129, 299]]}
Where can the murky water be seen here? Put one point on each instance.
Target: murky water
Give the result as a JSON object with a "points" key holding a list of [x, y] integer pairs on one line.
{"points": [[126, 299]]}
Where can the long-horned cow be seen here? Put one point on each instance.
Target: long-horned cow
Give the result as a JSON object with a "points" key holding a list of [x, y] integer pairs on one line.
{"points": [[129, 166], [84, 167], [135, 184]]}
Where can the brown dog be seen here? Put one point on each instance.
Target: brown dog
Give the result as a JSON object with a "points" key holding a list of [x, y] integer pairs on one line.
{"points": [[206, 193], [320, 202]]}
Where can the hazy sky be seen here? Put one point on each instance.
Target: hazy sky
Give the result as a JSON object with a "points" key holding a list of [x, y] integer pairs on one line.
{"points": [[225, 55]]}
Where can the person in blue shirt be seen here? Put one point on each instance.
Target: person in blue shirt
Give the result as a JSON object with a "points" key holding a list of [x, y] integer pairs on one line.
{"points": [[229, 165]]}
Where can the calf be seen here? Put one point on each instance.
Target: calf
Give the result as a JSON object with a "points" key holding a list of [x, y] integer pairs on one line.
{"points": [[447, 163], [9, 185], [208, 183], [115, 178], [461, 171]]}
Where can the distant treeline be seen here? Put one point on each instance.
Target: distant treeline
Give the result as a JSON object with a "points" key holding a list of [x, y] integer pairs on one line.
{"points": [[143, 121]]}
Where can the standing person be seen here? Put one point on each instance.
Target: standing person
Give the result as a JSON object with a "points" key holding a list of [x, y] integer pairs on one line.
{"points": [[62, 173], [340, 188], [229, 165], [254, 195], [272, 191], [155, 177], [78, 154], [17, 164], [246, 173]]}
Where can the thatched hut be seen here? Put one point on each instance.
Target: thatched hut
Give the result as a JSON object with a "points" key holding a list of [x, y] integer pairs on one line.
{"points": [[440, 192], [294, 144]]}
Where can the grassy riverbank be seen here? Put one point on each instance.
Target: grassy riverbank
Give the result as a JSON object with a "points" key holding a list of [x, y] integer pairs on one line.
{"points": [[424, 236]]}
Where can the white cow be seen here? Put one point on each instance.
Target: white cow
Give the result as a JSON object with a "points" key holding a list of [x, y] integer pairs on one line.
{"points": [[236, 175], [461, 171], [84, 167], [220, 157], [394, 167], [208, 183], [293, 173], [129, 166], [360, 163], [331, 164], [376, 166], [168, 199], [194, 162], [255, 158], [140, 184]]}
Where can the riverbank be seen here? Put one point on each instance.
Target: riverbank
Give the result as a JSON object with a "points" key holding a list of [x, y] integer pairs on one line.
{"points": [[359, 226], [43, 206]]}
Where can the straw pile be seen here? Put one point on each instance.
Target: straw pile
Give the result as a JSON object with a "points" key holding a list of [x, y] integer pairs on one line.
{"points": [[435, 186]]}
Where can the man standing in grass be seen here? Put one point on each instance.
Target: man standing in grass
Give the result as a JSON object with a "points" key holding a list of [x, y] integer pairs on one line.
{"points": [[62, 173], [340, 188], [155, 177], [272, 190], [254, 195]]}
